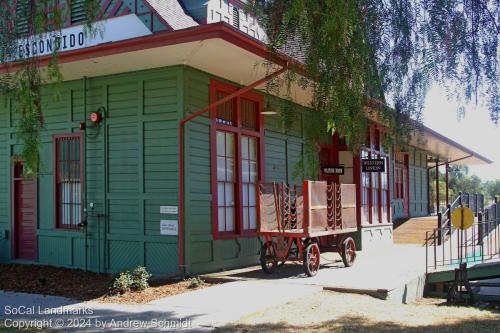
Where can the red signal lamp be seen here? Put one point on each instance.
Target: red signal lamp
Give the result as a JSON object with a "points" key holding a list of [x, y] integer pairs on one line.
{"points": [[95, 117]]}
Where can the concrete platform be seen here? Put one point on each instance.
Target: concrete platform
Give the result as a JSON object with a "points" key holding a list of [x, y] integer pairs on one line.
{"points": [[395, 273]]}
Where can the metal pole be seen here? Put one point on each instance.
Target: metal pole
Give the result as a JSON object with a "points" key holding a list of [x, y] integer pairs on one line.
{"points": [[426, 251], [440, 226]]}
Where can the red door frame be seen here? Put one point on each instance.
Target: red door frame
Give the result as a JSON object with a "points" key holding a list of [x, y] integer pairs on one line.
{"points": [[13, 235], [406, 198], [406, 181], [333, 151], [358, 179]]}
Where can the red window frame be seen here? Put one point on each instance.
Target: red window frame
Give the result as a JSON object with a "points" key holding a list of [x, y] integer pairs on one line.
{"points": [[238, 130], [374, 149], [56, 163]]}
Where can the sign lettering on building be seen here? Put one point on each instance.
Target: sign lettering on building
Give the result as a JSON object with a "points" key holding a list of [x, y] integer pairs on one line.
{"points": [[333, 170], [74, 38], [169, 210], [373, 165], [169, 227]]}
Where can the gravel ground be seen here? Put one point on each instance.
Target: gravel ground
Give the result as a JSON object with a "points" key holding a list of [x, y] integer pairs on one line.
{"points": [[336, 312]]}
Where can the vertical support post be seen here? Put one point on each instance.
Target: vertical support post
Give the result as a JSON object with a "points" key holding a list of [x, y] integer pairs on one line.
{"points": [[437, 185], [447, 185], [428, 192], [440, 226], [479, 228]]}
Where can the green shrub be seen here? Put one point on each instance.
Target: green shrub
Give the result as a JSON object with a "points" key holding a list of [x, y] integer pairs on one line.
{"points": [[122, 283], [126, 281], [140, 277], [195, 282]]}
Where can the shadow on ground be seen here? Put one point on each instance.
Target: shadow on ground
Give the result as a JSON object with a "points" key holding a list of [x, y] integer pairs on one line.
{"points": [[353, 324], [293, 270]]}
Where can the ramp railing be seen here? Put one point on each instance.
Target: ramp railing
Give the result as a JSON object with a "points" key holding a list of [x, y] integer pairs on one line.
{"points": [[479, 243]]}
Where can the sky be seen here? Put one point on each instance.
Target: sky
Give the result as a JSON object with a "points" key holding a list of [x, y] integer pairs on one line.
{"points": [[475, 130]]}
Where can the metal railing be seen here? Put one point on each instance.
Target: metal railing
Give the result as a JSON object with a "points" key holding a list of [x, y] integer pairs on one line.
{"points": [[474, 201], [479, 243]]}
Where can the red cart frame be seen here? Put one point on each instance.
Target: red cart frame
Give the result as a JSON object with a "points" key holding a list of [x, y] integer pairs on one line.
{"points": [[300, 222]]}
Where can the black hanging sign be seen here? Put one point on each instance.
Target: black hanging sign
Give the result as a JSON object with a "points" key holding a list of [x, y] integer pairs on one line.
{"points": [[333, 170], [373, 165]]}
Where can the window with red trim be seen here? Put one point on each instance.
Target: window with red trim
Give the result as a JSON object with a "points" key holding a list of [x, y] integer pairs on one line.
{"points": [[375, 205], [68, 176], [237, 148]]}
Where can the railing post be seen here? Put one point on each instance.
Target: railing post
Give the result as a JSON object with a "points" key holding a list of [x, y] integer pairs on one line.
{"points": [[448, 216], [440, 226], [479, 228], [426, 251]]}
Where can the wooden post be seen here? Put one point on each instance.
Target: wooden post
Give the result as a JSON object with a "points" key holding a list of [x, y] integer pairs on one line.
{"points": [[437, 185], [428, 191], [440, 227], [447, 187]]}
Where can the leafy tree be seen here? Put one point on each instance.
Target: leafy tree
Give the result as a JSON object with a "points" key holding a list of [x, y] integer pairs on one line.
{"points": [[387, 51], [23, 22], [492, 189]]}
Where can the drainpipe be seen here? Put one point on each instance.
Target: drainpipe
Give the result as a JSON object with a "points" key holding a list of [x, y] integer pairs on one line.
{"points": [[182, 124], [84, 154]]}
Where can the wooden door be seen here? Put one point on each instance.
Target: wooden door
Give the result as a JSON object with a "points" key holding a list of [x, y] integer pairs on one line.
{"points": [[406, 188], [25, 220], [329, 156]]}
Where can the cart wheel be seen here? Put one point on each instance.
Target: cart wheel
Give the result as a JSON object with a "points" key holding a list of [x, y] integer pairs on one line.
{"points": [[311, 259], [348, 251], [268, 260]]}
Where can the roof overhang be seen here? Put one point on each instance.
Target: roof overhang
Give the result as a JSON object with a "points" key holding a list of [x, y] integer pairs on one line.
{"points": [[217, 48], [441, 148], [444, 149]]}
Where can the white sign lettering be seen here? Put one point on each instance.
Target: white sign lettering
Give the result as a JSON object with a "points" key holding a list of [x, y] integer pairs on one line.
{"points": [[169, 210], [169, 227]]}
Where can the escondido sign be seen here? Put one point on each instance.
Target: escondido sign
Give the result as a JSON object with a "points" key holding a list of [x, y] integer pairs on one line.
{"points": [[74, 38], [46, 44]]}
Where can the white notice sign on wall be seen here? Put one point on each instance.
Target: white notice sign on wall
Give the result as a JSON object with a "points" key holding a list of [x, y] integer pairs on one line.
{"points": [[169, 227], [169, 210]]}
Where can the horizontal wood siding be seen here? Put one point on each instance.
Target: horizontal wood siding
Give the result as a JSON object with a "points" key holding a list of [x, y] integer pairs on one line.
{"points": [[418, 183], [418, 186], [131, 171]]}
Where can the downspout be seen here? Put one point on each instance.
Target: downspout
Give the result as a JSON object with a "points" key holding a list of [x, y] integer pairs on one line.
{"points": [[210, 107], [85, 173]]}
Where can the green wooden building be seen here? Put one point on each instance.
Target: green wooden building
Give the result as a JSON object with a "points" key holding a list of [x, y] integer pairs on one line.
{"points": [[108, 195]]}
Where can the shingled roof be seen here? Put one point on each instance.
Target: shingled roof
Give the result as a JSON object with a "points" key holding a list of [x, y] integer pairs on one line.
{"points": [[173, 13]]}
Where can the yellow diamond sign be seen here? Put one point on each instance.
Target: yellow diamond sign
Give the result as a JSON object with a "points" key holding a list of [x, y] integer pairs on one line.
{"points": [[462, 218]]}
